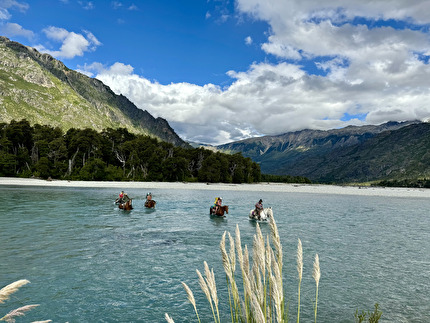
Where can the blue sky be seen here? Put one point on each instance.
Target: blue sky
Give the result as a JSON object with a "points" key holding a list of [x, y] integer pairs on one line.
{"points": [[221, 71]]}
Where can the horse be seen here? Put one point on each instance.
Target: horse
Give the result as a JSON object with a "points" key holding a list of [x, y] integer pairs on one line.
{"points": [[126, 206], [150, 204], [220, 212], [265, 214]]}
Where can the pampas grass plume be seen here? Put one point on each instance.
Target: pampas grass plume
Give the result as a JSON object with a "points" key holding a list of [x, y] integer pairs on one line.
{"points": [[225, 258], [190, 294], [300, 259], [6, 291], [232, 253], [316, 273], [191, 298], [300, 271], [168, 318], [204, 286], [10, 317], [258, 312], [239, 247]]}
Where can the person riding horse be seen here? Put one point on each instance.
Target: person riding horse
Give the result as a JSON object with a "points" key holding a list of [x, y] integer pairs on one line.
{"points": [[217, 204], [258, 208], [122, 198], [124, 201], [149, 203]]}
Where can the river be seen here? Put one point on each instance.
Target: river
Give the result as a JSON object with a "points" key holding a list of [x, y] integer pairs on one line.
{"points": [[88, 261]]}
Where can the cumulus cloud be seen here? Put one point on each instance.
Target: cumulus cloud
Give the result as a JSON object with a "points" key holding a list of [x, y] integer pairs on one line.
{"points": [[133, 7], [7, 5], [116, 4], [12, 29], [269, 99], [4, 14], [364, 73], [87, 5], [72, 44]]}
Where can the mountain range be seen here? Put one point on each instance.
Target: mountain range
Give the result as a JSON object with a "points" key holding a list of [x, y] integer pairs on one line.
{"points": [[41, 89], [393, 150]]}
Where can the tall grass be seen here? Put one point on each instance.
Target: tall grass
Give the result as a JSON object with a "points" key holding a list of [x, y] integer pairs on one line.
{"points": [[5, 293], [316, 274], [261, 297]]}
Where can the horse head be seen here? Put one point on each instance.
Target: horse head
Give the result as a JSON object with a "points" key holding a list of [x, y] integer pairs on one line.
{"points": [[226, 208]]}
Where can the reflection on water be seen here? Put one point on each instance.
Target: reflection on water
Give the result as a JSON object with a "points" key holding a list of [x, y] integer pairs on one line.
{"points": [[88, 261]]}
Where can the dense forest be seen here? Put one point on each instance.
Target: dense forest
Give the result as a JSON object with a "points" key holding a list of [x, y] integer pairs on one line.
{"points": [[112, 155]]}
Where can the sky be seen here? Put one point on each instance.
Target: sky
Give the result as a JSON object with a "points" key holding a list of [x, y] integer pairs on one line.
{"points": [[224, 70]]}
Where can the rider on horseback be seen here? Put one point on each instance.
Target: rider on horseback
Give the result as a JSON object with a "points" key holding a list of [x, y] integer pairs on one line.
{"points": [[149, 203], [218, 203], [122, 198], [125, 197], [149, 196], [258, 208]]}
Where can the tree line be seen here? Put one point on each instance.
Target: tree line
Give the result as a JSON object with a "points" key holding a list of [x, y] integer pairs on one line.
{"points": [[285, 179], [112, 155], [407, 182]]}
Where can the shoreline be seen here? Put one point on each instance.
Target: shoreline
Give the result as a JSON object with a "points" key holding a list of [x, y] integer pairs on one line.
{"points": [[262, 187]]}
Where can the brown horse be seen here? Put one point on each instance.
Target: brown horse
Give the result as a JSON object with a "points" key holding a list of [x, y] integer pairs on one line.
{"points": [[150, 204], [220, 212], [127, 206]]}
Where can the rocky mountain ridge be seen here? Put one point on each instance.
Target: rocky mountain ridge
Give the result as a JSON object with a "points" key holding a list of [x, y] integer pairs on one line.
{"points": [[41, 89], [349, 154]]}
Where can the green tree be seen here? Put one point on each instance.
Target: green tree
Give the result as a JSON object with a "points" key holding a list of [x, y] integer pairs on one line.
{"points": [[43, 167], [93, 170], [7, 164], [210, 170], [82, 145], [174, 169], [20, 134]]}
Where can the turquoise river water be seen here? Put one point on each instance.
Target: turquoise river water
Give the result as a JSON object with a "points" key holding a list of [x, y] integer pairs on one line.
{"points": [[88, 261]]}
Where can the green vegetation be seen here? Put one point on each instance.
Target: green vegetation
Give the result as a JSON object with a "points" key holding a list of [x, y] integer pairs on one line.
{"points": [[112, 155], [407, 182], [372, 317], [284, 179]]}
